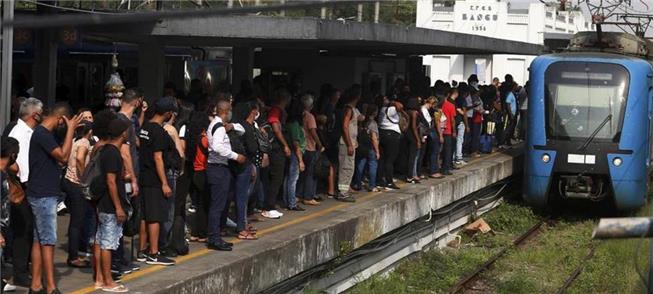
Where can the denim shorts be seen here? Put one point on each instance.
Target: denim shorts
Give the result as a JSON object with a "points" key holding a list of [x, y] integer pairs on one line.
{"points": [[45, 219], [108, 232]]}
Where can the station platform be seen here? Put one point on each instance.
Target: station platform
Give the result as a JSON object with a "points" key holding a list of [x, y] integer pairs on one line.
{"points": [[299, 240]]}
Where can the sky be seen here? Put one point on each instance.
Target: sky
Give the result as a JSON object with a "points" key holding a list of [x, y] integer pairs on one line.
{"points": [[642, 6]]}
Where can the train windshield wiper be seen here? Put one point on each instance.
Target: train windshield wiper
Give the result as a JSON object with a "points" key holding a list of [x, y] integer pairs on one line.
{"points": [[596, 132]]}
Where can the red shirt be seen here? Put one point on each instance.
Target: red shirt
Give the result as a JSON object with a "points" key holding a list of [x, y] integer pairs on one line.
{"points": [[449, 110], [274, 115], [200, 161], [477, 118]]}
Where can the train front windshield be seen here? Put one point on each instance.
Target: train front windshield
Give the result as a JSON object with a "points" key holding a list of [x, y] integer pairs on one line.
{"points": [[583, 98]]}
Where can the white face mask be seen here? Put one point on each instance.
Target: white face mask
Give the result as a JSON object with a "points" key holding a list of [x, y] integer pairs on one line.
{"points": [[258, 114]]}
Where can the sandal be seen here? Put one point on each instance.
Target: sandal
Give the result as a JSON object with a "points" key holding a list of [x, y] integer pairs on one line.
{"points": [[247, 236], [79, 263], [117, 289], [98, 286], [251, 228]]}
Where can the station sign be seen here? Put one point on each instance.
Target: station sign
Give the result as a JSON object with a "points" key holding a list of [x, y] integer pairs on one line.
{"points": [[479, 17]]}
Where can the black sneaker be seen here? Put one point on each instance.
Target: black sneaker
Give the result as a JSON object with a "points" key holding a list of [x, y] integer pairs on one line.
{"points": [[159, 259], [169, 253], [220, 247], [342, 197], [116, 277], [132, 266], [118, 268], [141, 256], [296, 208]]}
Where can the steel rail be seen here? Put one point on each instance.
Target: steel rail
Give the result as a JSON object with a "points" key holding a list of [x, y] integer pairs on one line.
{"points": [[473, 275], [576, 272]]}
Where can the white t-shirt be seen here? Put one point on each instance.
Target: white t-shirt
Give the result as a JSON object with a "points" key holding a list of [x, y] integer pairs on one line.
{"points": [[23, 134], [389, 119], [426, 114]]}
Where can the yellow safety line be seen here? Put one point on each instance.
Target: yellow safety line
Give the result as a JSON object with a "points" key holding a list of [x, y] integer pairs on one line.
{"points": [[204, 251]]}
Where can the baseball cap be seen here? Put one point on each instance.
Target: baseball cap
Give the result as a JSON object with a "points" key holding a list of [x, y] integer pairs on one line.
{"points": [[165, 104], [117, 127]]}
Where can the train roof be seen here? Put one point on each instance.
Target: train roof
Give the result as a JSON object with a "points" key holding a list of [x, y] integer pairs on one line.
{"points": [[611, 42]]}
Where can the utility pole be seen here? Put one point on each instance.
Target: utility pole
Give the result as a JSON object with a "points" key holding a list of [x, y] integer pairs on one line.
{"points": [[7, 63]]}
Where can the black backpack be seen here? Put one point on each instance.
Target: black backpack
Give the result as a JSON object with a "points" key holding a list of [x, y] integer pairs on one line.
{"points": [[236, 146], [91, 179], [364, 143]]}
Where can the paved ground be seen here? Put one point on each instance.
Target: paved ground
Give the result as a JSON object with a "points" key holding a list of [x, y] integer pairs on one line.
{"points": [[72, 280]]}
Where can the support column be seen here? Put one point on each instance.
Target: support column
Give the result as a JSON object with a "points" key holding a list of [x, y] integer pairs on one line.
{"points": [[151, 66], [45, 65], [242, 66], [359, 15], [377, 7], [7, 62]]}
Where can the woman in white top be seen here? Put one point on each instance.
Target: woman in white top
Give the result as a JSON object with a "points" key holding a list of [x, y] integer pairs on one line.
{"points": [[75, 201], [389, 135]]}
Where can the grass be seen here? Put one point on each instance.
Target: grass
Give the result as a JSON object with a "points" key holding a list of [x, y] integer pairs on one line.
{"points": [[438, 270], [541, 267]]}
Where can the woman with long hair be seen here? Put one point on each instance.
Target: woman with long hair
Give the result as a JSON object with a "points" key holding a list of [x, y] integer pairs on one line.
{"points": [[75, 201]]}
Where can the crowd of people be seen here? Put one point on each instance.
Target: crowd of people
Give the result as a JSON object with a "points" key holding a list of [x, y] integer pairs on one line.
{"points": [[152, 168]]}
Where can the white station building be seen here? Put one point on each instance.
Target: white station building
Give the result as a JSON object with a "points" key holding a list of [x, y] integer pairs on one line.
{"points": [[493, 18]]}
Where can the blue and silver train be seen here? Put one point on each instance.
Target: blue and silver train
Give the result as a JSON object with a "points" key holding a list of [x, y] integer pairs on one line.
{"points": [[590, 122]]}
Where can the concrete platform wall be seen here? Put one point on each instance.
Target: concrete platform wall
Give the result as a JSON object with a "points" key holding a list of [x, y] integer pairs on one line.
{"points": [[258, 265]]}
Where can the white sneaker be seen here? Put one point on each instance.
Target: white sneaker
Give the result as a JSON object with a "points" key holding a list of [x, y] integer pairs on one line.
{"points": [[276, 213], [9, 288], [231, 223], [60, 206], [269, 215]]}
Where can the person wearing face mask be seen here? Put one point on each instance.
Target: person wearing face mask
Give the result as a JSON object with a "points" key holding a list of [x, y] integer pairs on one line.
{"points": [[30, 114], [219, 176], [155, 189], [44, 190]]}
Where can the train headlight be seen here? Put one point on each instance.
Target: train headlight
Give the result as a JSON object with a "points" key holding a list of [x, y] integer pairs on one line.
{"points": [[546, 158], [617, 161]]}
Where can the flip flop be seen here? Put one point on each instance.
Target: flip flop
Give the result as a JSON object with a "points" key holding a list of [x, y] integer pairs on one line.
{"points": [[117, 289], [98, 286], [247, 236]]}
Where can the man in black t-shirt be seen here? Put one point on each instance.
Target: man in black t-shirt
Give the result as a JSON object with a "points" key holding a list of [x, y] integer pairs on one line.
{"points": [[154, 185], [111, 206], [44, 190]]}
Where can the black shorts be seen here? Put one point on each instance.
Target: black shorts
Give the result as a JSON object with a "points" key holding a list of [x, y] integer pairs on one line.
{"points": [[153, 204]]}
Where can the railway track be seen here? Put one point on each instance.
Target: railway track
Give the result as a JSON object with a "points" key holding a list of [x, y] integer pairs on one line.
{"points": [[468, 280], [465, 284], [572, 277]]}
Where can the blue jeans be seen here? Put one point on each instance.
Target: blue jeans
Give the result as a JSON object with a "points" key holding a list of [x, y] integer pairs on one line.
{"points": [[242, 183], [166, 226], [45, 219], [307, 182], [109, 231], [460, 139], [290, 184], [372, 164], [434, 152], [219, 179]]}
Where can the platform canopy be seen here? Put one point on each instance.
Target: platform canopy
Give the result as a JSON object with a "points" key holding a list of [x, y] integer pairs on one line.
{"points": [[348, 37]]}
